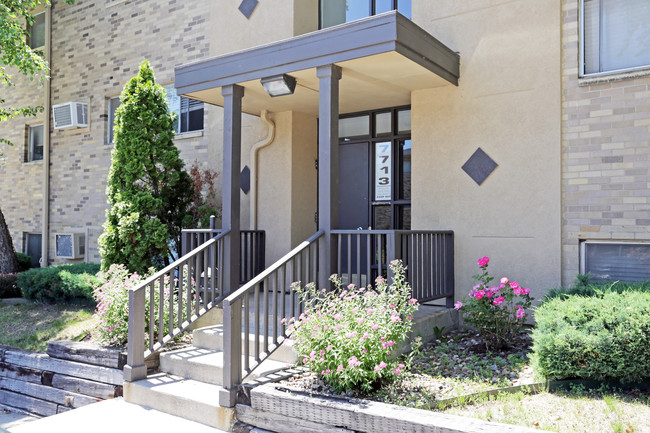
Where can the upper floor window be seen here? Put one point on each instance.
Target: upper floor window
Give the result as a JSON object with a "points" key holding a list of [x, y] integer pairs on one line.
{"points": [[189, 112], [333, 12], [615, 35], [37, 31], [35, 143]]}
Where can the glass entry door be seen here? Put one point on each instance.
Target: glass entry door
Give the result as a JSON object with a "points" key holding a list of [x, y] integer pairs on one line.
{"points": [[375, 170]]}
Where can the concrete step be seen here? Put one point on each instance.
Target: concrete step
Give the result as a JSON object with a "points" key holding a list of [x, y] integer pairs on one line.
{"points": [[211, 338], [206, 365], [193, 400]]}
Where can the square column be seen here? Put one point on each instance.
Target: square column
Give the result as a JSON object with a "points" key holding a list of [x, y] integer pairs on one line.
{"points": [[232, 115], [328, 165]]}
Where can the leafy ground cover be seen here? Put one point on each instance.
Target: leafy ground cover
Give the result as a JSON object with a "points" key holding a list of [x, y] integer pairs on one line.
{"points": [[31, 326]]}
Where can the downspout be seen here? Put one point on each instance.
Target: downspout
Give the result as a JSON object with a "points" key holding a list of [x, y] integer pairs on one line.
{"points": [[45, 229], [270, 136]]}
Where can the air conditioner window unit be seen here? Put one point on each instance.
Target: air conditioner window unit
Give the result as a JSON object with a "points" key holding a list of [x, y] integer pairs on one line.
{"points": [[70, 115], [70, 245]]}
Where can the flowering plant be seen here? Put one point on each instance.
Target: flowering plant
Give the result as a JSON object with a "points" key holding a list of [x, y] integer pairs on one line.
{"points": [[497, 312], [350, 335]]}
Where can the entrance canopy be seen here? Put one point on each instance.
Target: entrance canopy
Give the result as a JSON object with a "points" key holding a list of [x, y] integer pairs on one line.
{"points": [[383, 59]]}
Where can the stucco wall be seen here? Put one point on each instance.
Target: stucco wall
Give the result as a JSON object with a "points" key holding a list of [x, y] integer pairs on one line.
{"points": [[507, 103], [605, 152]]}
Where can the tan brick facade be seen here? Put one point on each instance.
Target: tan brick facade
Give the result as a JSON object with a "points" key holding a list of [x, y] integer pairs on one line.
{"points": [[97, 46], [605, 152]]}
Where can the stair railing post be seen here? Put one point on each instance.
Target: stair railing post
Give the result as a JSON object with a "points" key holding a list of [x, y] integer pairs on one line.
{"points": [[135, 368], [232, 323]]}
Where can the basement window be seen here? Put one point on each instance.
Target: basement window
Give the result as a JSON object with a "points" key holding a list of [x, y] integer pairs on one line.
{"points": [[615, 261]]}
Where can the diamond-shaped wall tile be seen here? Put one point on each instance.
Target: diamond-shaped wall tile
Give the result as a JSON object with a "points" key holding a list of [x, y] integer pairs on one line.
{"points": [[479, 166], [247, 7], [245, 179]]}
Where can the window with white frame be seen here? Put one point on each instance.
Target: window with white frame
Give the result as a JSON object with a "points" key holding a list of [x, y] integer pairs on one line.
{"points": [[35, 143], [36, 31], [615, 35], [189, 112], [113, 103], [615, 261]]}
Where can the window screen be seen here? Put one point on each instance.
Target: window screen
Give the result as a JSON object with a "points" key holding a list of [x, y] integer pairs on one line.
{"points": [[616, 261]]}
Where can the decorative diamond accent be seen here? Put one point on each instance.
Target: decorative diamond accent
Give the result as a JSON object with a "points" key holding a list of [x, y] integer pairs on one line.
{"points": [[479, 166], [247, 7], [245, 179]]}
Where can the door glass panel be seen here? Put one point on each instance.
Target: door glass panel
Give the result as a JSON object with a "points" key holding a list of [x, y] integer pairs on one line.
{"points": [[405, 217], [33, 248], [404, 7], [383, 171], [405, 175], [354, 127], [383, 124], [382, 6], [404, 122], [381, 218]]}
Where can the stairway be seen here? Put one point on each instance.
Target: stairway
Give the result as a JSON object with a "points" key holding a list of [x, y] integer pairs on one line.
{"points": [[190, 379]]}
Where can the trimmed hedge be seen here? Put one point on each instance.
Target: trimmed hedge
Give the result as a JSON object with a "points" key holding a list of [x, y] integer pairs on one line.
{"points": [[603, 337], [8, 287], [597, 289], [60, 283]]}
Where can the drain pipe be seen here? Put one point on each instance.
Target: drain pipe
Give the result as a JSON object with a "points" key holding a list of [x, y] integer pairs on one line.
{"points": [[270, 136], [45, 229]]}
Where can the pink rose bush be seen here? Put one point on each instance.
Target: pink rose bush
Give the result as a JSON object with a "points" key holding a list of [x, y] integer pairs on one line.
{"points": [[497, 312], [356, 330]]}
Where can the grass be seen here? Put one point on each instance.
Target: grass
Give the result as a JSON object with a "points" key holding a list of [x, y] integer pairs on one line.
{"points": [[32, 326], [577, 410]]}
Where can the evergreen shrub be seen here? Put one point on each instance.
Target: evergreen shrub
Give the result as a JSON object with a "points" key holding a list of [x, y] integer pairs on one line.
{"points": [[24, 262], [8, 287], [604, 337], [63, 283]]}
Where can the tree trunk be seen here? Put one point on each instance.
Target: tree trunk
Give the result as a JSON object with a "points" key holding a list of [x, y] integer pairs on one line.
{"points": [[8, 260]]}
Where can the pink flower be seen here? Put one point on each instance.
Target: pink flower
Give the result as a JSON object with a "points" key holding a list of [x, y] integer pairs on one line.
{"points": [[351, 334], [525, 291], [392, 305], [483, 261], [339, 368], [479, 294], [355, 309], [337, 327], [395, 319], [499, 300], [413, 301], [312, 356], [390, 343], [353, 362], [370, 311], [520, 314], [514, 285], [382, 364], [397, 370], [504, 280], [364, 351], [351, 286], [377, 368], [322, 352], [337, 316], [409, 317], [458, 305], [374, 326], [361, 320], [364, 336]]}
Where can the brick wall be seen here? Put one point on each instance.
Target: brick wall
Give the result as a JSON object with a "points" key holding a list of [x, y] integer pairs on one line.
{"points": [[605, 152], [97, 46]]}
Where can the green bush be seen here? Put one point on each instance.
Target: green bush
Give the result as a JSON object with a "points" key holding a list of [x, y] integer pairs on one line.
{"points": [[60, 283], [584, 287], [24, 262], [8, 287], [598, 338]]}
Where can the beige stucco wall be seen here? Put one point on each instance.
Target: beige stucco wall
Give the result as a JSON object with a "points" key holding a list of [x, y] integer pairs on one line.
{"points": [[507, 103], [605, 152]]}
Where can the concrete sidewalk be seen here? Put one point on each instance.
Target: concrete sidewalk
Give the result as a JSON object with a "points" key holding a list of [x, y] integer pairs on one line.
{"points": [[110, 416]]}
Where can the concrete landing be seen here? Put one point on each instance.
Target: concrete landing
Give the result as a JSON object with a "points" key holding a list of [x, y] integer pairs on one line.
{"points": [[112, 416]]}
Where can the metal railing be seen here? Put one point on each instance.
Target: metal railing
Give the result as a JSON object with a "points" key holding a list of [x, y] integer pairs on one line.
{"points": [[252, 250], [165, 304], [363, 255], [258, 307]]}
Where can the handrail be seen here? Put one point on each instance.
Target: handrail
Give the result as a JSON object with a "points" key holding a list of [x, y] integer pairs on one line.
{"points": [[179, 294], [260, 296]]}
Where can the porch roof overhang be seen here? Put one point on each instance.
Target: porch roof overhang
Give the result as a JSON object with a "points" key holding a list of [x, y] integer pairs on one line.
{"points": [[383, 58]]}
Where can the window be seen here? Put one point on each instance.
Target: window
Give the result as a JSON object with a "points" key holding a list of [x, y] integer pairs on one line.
{"points": [[32, 247], [615, 35], [37, 31], [113, 103], [615, 261], [334, 12], [189, 112], [35, 143]]}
